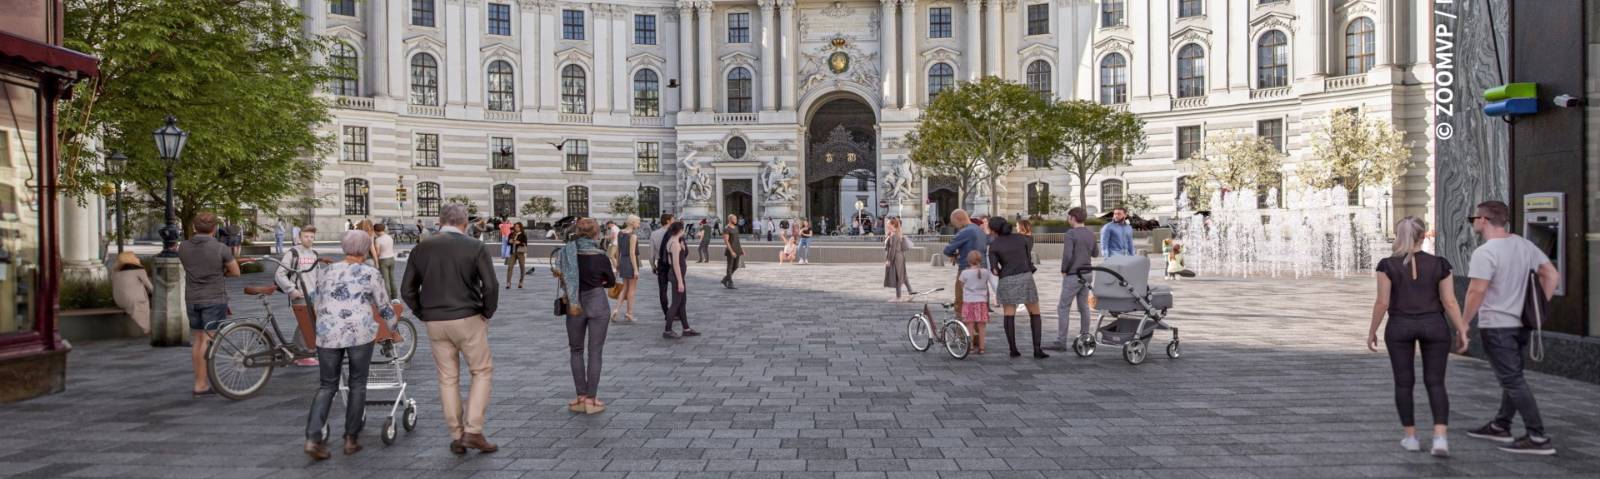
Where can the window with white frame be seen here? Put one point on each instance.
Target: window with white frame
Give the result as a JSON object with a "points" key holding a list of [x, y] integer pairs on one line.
{"points": [[355, 197], [1113, 79], [574, 90], [578, 200], [422, 13], [644, 29], [1191, 8], [577, 152], [940, 77], [1189, 141], [572, 24], [1272, 60], [1111, 194], [1360, 46], [646, 93], [739, 27], [939, 22], [1191, 71], [1039, 79], [740, 93], [502, 153], [502, 86], [499, 19], [427, 150], [1271, 130], [424, 80], [342, 7], [1039, 19], [1111, 13], [1038, 198], [346, 65], [428, 199], [355, 144], [649, 202], [647, 157], [505, 200]]}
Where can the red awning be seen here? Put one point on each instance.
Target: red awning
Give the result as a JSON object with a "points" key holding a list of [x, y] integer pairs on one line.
{"points": [[46, 55]]}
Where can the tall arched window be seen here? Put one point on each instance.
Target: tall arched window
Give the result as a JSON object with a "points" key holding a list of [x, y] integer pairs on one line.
{"points": [[649, 202], [1038, 198], [505, 200], [424, 80], [574, 90], [940, 77], [346, 70], [1039, 78], [1111, 194], [1113, 79], [646, 93], [1191, 71], [428, 199], [1360, 46], [739, 91], [355, 197], [502, 87], [1272, 60], [578, 200]]}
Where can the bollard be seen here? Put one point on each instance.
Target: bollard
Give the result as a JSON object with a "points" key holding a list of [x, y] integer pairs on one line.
{"points": [[936, 260], [169, 322]]}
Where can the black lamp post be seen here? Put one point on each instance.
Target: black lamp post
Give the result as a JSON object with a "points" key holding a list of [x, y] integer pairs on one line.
{"points": [[169, 141], [116, 165]]}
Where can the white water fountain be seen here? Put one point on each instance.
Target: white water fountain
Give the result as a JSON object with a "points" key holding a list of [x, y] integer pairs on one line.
{"points": [[1317, 233]]}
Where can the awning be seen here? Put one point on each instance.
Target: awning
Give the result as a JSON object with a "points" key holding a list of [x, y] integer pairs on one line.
{"points": [[17, 48]]}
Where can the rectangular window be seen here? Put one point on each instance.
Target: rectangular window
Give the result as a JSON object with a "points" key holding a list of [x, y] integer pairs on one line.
{"points": [[1272, 131], [644, 29], [1038, 161], [649, 154], [1188, 142], [499, 19], [1190, 8], [502, 154], [1111, 13], [342, 7], [939, 22], [577, 155], [422, 13], [1039, 19], [739, 28], [572, 24], [427, 153], [355, 144]]}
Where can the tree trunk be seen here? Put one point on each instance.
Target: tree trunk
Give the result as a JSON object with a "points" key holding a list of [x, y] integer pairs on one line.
{"points": [[1083, 192]]}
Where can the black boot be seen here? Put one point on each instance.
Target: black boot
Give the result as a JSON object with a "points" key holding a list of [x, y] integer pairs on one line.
{"points": [[1011, 335], [1035, 323]]}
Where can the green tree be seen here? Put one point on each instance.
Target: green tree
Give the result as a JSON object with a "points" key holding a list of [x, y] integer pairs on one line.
{"points": [[540, 207], [238, 75], [1137, 204], [463, 200], [1086, 138], [623, 205], [976, 132], [1356, 152], [1234, 162]]}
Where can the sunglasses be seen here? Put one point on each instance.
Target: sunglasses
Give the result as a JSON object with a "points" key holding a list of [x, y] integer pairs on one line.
{"points": [[1473, 219]]}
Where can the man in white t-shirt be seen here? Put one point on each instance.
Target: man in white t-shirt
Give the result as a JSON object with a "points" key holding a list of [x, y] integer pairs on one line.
{"points": [[386, 256], [1499, 272]]}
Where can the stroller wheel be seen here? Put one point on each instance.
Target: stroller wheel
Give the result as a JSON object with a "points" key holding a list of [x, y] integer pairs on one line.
{"points": [[1172, 350], [389, 432], [1083, 347], [1134, 352]]}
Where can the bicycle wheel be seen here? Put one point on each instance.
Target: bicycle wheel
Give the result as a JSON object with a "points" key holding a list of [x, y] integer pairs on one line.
{"points": [[920, 331], [402, 350], [957, 339], [225, 360]]}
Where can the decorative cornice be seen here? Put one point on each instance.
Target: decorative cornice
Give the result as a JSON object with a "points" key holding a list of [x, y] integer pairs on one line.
{"points": [[1010, 5], [937, 54], [647, 59], [1038, 50], [1272, 21], [344, 30], [1192, 33], [575, 54], [738, 58], [787, 5]]}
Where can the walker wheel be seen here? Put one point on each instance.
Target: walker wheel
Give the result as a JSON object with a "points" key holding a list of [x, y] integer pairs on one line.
{"points": [[408, 418], [1173, 350], [1134, 352], [389, 431]]}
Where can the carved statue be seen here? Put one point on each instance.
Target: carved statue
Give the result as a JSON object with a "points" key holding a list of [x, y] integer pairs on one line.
{"points": [[777, 179], [694, 185], [898, 180]]}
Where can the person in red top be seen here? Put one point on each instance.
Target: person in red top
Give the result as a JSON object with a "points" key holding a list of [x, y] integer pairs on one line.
{"points": [[505, 239]]}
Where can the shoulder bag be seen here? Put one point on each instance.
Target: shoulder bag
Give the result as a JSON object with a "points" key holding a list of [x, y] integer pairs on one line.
{"points": [[1535, 308]]}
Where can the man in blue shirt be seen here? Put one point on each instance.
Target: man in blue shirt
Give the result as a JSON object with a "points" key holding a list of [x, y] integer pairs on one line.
{"points": [[1116, 237], [969, 237]]}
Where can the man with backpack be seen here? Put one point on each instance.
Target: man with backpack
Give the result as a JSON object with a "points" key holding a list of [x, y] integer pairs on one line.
{"points": [[297, 277], [1503, 271]]}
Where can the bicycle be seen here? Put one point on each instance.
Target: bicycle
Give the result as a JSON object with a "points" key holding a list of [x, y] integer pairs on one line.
{"points": [[953, 333], [241, 356]]}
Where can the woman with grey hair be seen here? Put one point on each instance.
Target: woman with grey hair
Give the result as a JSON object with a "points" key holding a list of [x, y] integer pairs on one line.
{"points": [[1417, 293], [349, 293]]}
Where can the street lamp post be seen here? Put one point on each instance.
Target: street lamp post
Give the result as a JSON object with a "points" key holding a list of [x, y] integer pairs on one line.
{"points": [[116, 165], [170, 141]]}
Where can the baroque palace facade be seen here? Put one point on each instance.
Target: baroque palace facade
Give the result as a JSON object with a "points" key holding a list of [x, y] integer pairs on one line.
{"points": [[798, 108]]}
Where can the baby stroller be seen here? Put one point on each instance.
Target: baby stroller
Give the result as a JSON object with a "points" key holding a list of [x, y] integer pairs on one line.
{"points": [[1137, 309]]}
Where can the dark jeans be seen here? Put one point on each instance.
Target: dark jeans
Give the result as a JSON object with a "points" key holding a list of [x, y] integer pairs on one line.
{"points": [[589, 328], [1506, 348], [704, 253], [1402, 335], [733, 265], [328, 385], [677, 310]]}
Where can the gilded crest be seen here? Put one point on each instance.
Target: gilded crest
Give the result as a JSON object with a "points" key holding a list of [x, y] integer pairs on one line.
{"points": [[839, 62]]}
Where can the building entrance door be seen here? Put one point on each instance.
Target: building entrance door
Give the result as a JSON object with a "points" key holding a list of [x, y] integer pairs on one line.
{"points": [[841, 162], [737, 200]]}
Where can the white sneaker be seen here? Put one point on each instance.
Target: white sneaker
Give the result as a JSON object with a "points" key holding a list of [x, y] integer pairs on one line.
{"points": [[1410, 443], [1441, 447]]}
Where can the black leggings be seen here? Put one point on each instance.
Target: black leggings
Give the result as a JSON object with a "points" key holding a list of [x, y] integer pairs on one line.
{"points": [[331, 360], [1401, 336], [676, 310]]}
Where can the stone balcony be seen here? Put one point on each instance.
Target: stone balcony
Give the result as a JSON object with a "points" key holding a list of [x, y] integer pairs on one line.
{"points": [[576, 118], [1188, 103], [647, 121], [425, 110], [493, 115], [734, 118], [1345, 82], [1266, 93], [353, 103]]}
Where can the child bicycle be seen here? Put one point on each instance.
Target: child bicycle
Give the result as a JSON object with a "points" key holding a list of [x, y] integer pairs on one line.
{"points": [[952, 332]]}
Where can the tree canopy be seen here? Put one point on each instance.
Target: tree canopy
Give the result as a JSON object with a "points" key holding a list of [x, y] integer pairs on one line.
{"points": [[238, 75], [1233, 162], [1356, 152], [976, 132], [540, 207], [1086, 138]]}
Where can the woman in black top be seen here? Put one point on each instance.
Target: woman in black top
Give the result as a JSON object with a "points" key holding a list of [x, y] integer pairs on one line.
{"points": [[1011, 261], [518, 242], [594, 276], [674, 262], [1416, 291]]}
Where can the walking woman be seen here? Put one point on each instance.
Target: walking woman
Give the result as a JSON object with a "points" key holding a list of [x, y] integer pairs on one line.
{"points": [[1416, 292], [894, 260], [805, 242], [627, 261], [588, 274], [675, 258], [372, 236], [1008, 257], [348, 293], [517, 241]]}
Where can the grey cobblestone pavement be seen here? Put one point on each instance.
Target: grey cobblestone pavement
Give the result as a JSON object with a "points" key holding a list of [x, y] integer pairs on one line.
{"points": [[804, 372]]}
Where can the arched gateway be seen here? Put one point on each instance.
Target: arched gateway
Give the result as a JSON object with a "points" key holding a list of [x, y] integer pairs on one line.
{"points": [[841, 162]]}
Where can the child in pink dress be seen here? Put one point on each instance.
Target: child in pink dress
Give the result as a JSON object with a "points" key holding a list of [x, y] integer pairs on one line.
{"points": [[976, 285]]}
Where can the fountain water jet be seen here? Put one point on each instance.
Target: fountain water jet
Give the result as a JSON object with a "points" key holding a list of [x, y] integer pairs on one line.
{"points": [[1317, 233]]}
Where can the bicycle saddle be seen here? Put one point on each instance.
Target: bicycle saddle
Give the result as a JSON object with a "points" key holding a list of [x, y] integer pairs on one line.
{"points": [[260, 290]]}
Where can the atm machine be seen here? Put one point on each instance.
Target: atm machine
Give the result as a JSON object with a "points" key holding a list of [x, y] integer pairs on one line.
{"points": [[1543, 217]]}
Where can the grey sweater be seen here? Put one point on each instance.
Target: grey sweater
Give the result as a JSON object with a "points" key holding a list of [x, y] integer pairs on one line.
{"points": [[1076, 249], [448, 277]]}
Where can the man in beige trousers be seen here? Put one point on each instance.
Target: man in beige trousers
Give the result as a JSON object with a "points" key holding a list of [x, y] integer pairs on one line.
{"points": [[450, 284]]}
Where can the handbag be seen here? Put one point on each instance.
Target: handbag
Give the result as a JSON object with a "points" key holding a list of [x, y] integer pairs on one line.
{"points": [[615, 291], [1535, 308]]}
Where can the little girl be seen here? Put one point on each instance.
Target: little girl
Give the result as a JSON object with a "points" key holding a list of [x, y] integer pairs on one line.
{"points": [[1175, 266], [976, 283]]}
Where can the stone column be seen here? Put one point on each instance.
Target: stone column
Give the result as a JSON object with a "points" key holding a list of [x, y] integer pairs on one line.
{"points": [[549, 34], [78, 256], [316, 22], [974, 32], [769, 56], [395, 56], [1385, 34], [686, 76], [1319, 37], [451, 65], [791, 44], [890, 53], [528, 39], [707, 74], [375, 77], [600, 44], [473, 81], [910, 58], [991, 39]]}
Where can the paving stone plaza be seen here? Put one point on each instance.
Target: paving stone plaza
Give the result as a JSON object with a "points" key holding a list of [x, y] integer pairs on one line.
{"points": [[805, 372]]}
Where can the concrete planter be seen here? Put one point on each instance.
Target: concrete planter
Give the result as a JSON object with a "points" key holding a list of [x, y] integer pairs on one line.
{"points": [[101, 323]]}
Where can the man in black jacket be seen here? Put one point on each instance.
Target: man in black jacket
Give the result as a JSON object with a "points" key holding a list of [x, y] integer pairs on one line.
{"points": [[450, 284]]}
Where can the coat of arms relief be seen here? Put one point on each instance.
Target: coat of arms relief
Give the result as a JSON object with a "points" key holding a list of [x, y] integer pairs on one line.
{"points": [[839, 59]]}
